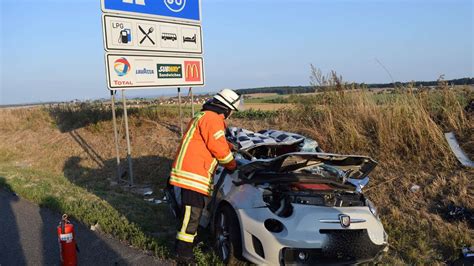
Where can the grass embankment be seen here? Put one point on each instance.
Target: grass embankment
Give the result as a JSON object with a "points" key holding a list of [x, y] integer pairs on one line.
{"points": [[63, 158]]}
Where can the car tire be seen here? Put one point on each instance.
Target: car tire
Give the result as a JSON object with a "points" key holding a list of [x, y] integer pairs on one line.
{"points": [[228, 241]]}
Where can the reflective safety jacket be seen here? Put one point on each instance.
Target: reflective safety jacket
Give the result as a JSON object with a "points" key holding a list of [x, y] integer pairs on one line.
{"points": [[203, 146]]}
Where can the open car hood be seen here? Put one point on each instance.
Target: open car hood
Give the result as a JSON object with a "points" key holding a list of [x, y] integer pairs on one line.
{"points": [[345, 166]]}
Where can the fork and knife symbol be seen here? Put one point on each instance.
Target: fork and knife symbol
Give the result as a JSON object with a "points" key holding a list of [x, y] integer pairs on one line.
{"points": [[150, 30]]}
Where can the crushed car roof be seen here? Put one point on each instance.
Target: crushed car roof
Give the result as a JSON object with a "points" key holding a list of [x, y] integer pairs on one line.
{"points": [[303, 163], [351, 166]]}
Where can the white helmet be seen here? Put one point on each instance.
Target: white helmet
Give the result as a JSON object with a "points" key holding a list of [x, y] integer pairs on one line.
{"points": [[230, 99]]}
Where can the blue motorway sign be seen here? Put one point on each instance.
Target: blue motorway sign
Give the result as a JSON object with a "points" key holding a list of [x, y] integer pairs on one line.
{"points": [[171, 9]]}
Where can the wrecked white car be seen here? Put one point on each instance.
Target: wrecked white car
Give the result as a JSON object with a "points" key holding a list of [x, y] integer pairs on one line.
{"points": [[291, 203]]}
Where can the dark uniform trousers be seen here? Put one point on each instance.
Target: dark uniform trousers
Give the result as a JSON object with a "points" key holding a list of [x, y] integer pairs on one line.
{"points": [[192, 206]]}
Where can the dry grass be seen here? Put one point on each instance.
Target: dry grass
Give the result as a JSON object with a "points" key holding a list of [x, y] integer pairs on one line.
{"points": [[404, 132]]}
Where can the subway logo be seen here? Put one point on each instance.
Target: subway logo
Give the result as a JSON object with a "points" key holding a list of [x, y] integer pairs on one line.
{"points": [[169, 71]]}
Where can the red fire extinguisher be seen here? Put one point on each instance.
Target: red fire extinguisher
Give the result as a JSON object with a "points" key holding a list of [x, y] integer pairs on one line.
{"points": [[67, 242]]}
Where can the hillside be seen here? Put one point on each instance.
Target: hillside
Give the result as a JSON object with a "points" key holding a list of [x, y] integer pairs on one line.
{"points": [[66, 153]]}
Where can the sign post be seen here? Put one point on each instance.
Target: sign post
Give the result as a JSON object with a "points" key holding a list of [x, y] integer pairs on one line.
{"points": [[192, 101], [151, 44], [114, 119], [127, 135], [180, 113]]}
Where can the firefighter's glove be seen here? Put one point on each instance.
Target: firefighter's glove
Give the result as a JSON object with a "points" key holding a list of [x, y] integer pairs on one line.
{"points": [[230, 166]]}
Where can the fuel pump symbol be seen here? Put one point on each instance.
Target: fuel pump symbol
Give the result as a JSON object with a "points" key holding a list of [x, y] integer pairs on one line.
{"points": [[125, 36]]}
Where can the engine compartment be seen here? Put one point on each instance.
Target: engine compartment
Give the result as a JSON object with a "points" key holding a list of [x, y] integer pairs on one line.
{"points": [[281, 197]]}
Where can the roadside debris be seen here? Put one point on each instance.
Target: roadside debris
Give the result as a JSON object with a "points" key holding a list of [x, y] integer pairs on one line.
{"points": [[145, 190], [147, 193], [466, 257], [95, 227], [459, 213], [470, 107], [154, 201], [414, 188], [468, 251], [458, 152]]}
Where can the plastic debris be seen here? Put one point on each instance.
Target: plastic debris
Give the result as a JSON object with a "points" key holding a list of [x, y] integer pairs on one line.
{"points": [[414, 188], [466, 257], [459, 213], [468, 252], [143, 191], [95, 227], [456, 149], [147, 193]]}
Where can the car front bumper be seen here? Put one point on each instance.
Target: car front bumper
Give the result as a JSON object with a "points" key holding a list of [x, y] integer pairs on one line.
{"points": [[307, 233]]}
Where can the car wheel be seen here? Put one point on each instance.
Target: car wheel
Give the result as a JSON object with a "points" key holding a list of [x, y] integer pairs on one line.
{"points": [[228, 242]]}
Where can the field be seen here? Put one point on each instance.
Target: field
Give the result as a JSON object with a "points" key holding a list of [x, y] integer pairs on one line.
{"points": [[63, 157]]}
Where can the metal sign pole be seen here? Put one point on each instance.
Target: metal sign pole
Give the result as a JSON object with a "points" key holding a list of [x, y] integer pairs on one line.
{"points": [[129, 151], [114, 119], [192, 101], [180, 112]]}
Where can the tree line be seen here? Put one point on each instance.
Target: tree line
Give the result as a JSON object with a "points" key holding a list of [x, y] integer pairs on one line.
{"points": [[308, 89]]}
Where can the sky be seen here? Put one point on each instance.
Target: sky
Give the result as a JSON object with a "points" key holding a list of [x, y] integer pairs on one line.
{"points": [[52, 50]]}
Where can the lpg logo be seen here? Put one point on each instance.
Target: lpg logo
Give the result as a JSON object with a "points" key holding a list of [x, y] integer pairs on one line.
{"points": [[175, 5]]}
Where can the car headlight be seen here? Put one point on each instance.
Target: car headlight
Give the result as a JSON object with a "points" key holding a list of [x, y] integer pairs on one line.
{"points": [[372, 208]]}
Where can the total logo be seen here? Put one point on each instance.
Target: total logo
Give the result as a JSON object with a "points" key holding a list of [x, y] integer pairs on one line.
{"points": [[123, 83], [122, 66], [175, 5]]}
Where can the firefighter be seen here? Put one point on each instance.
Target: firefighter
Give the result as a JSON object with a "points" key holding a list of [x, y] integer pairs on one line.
{"points": [[203, 147]]}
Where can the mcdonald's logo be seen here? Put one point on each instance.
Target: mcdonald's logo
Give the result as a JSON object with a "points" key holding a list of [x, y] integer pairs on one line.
{"points": [[192, 70]]}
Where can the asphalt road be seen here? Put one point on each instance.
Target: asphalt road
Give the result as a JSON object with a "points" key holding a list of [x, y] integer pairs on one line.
{"points": [[28, 237]]}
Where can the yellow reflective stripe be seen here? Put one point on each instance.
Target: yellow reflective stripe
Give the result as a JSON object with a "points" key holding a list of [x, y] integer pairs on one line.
{"points": [[213, 166], [182, 234], [187, 216], [187, 139], [219, 134], [226, 159], [194, 176], [185, 237], [189, 183]]}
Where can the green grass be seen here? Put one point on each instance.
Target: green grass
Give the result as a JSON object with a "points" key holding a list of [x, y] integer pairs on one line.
{"points": [[264, 99]]}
